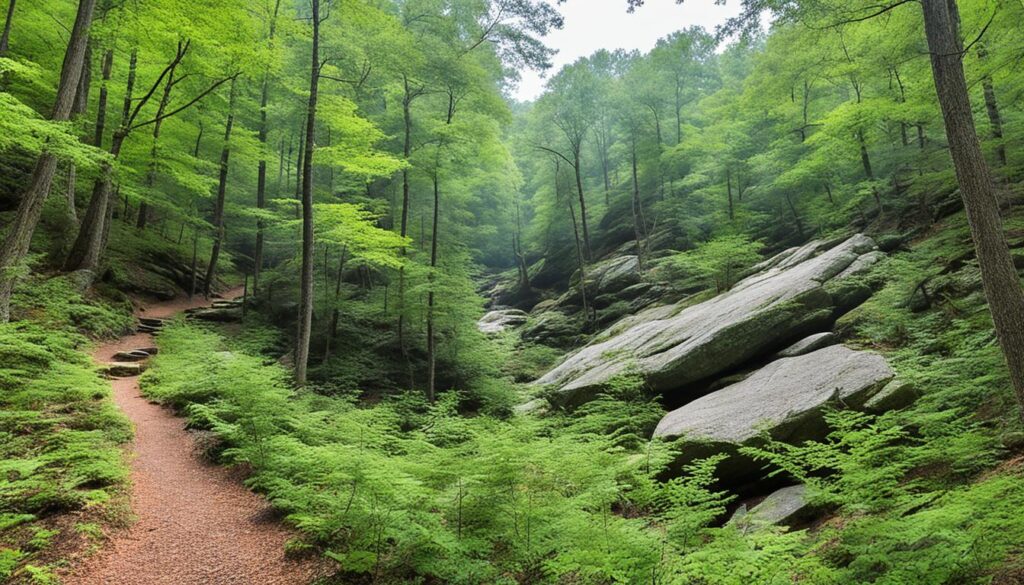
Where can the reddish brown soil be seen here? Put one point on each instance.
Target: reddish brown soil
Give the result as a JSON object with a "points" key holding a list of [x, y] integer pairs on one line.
{"points": [[196, 524]]}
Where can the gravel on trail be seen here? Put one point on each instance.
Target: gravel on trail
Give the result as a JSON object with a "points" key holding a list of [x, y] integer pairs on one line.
{"points": [[195, 523]]}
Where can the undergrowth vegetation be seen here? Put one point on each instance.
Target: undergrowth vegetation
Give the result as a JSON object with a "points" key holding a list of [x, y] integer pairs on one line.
{"points": [[401, 491], [60, 433]]}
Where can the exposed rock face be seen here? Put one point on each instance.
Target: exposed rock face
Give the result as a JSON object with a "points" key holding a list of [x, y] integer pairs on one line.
{"points": [[614, 274], [895, 395], [673, 347], [784, 399], [781, 507], [497, 321], [809, 344]]}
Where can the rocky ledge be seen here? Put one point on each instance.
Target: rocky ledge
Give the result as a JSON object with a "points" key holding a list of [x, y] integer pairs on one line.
{"points": [[675, 346]]}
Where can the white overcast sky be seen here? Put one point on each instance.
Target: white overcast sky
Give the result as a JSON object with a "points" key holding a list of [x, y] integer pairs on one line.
{"points": [[595, 24]]}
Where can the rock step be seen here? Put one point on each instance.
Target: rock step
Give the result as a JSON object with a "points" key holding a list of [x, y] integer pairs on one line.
{"points": [[134, 355], [226, 304], [151, 322], [147, 329], [122, 370]]}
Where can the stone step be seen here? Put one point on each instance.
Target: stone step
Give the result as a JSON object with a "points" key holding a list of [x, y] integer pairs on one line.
{"points": [[151, 322], [133, 355], [122, 370]]}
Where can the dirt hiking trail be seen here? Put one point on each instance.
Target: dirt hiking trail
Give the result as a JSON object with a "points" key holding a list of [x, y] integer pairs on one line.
{"points": [[196, 524]]}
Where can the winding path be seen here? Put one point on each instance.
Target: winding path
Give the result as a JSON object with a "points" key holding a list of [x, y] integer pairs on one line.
{"points": [[196, 523]]}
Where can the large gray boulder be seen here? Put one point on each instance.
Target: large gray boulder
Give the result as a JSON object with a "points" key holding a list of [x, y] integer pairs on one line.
{"points": [[784, 399], [495, 322], [615, 274], [678, 346], [783, 507]]}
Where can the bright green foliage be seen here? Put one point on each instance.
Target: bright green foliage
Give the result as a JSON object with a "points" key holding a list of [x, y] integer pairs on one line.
{"points": [[404, 489], [60, 433], [721, 261]]}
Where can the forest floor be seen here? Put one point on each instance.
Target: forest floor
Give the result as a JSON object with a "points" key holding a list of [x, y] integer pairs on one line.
{"points": [[195, 523]]}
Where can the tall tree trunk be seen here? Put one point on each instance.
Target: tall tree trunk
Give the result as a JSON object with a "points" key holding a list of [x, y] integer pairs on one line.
{"points": [[222, 187], [306, 281], [865, 159], [999, 277], [406, 152], [69, 195], [796, 216], [583, 203], [995, 119], [165, 100], [431, 342], [261, 175], [195, 260], [637, 206], [580, 261], [19, 236], [332, 331], [728, 188], [88, 247], [5, 38]]}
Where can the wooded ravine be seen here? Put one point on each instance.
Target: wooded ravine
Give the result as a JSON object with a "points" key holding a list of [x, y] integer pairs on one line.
{"points": [[298, 292]]}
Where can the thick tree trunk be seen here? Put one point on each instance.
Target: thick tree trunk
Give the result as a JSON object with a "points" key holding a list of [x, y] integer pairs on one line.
{"points": [[19, 236], [999, 277], [218, 206], [88, 247], [306, 280], [5, 38]]}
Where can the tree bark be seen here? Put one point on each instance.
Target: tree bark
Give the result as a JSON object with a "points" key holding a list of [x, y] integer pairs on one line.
{"points": [[222, 187], [865, 159], [583, 203], [637, 206], [999, 277], [165, 99], [306, 281], [88, 247], [995, 119], [5, 38], [406, 152], [332, 331], [261, 175], [728, 188], [19, 236], [431, 342]]}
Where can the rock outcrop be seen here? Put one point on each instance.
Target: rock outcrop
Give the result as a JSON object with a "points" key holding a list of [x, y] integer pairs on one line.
{"points": [[783, 399], [496, 321], [783, 507], [809, 344], [676, 346]]}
